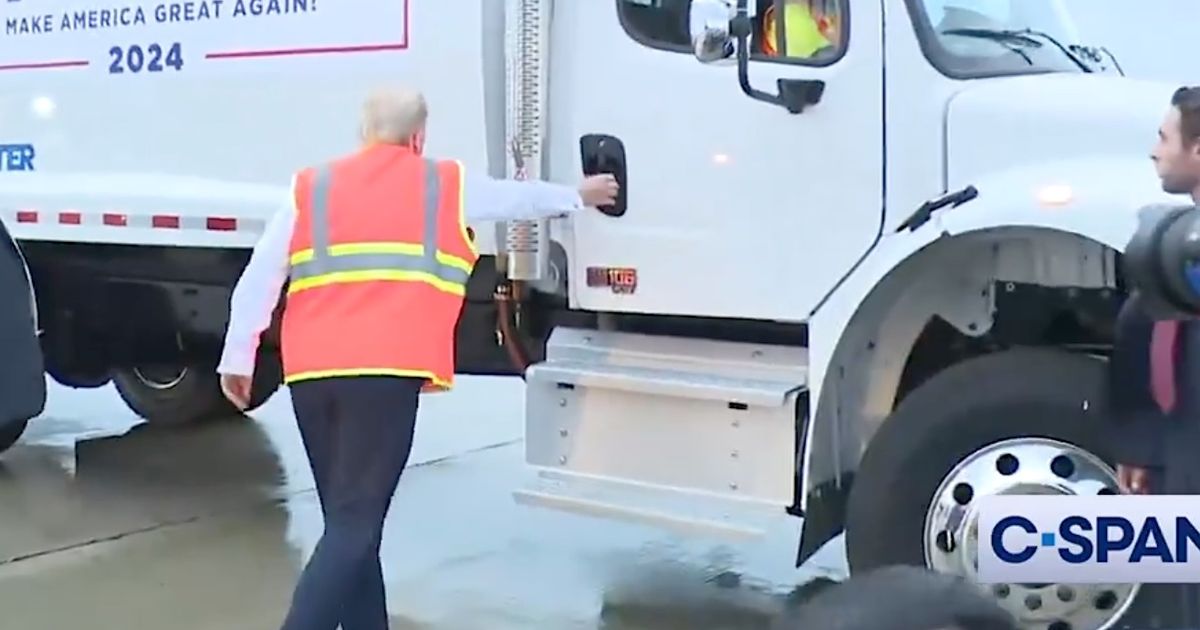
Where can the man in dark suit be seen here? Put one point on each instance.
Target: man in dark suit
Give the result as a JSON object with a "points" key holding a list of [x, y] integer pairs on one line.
{"points": [[1154, 391], [1146, 401]]}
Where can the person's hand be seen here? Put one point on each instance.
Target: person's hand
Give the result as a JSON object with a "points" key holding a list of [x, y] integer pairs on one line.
{"points": [[599, 190], [237, 389], [1133, 479]]}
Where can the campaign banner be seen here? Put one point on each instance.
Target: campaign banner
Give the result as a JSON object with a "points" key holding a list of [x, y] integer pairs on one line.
{"points": [[135, 38]]}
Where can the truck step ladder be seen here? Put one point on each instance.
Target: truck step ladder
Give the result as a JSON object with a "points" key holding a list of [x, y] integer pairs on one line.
{"points": [[693, 435]]}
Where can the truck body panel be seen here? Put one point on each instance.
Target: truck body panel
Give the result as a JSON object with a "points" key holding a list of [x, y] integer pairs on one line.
{"points": [[260, 90], [701, 187]]}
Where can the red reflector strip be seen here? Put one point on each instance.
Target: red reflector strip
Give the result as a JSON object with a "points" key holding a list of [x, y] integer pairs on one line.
{"points": [[122, 219], [165, 221]]}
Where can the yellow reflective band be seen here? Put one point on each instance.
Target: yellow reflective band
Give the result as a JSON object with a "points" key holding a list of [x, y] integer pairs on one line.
{"points": [[409, 249], [368, 275], [402, 373]]}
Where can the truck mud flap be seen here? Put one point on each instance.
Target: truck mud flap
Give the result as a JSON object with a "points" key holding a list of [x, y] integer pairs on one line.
{"points": [[22, 383]]}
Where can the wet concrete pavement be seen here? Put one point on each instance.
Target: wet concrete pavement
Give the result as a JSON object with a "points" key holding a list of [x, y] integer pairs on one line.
{"points": [[106, 524]]}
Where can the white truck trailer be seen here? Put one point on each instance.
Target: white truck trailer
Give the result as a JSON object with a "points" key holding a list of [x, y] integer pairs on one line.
{"points": [[864, 285]]}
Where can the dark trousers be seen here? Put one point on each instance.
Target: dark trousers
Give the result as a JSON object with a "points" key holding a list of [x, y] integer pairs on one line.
{"points": [[358, 434]]}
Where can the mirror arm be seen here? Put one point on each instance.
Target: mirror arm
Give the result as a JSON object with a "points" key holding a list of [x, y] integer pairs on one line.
{"points": [[741, 27], [794, 96], [713, 40]]}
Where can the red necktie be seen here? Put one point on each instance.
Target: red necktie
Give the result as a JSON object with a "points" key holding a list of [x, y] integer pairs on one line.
{"points": [[1163, 349]]}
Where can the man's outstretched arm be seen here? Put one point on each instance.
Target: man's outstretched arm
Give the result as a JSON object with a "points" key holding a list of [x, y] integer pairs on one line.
{"points": [[489, 199]]}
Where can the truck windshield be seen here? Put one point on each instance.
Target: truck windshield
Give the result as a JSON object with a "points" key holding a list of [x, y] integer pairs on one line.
{"points": [[986, 38]]}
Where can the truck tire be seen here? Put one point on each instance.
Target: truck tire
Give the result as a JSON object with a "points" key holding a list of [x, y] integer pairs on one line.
{"points": [[174, 395], [10, 433], [1017, 422]]}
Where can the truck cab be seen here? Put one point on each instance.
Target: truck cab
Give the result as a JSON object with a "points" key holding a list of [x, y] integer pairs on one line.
{"points": [[864, 285]]}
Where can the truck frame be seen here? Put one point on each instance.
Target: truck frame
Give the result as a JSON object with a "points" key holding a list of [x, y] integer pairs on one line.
{"points": [[864, 288]]}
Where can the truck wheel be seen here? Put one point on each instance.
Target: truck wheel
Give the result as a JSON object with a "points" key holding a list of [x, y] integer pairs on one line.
{"points": [[1016, 422], [10, 433], [174, 395]]}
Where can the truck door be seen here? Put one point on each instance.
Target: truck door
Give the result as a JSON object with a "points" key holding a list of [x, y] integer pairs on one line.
{"points": [[22, 383], [736, 207]]}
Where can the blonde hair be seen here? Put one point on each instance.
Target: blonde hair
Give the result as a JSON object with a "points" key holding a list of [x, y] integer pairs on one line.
{"points": [[393, 115]]}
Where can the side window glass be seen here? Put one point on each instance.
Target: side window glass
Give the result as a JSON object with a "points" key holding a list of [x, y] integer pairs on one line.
{"points": [[807, 32]]}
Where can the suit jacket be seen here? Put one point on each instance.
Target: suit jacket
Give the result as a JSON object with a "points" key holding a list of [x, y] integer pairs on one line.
{"points": [[1141, 434]]}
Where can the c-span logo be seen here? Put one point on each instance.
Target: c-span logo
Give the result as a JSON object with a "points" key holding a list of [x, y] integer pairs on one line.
{"points": [[1089, 539]]}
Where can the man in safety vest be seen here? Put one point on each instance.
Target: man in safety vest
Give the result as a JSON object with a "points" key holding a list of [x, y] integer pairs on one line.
{"points": [[806, 32], [376, 252]]}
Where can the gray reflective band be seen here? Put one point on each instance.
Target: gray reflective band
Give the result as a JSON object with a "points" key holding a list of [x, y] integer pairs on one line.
{"points": [[320, 212], [323, 262], [433, 192], [380, 262]]}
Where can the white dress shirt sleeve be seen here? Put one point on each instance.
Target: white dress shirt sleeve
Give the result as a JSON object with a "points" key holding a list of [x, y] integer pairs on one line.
{"points": [[257, 293], [489, 199]]}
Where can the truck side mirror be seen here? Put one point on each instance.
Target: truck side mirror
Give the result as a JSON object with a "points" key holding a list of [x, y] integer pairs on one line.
{"points": [[720, 29], [710, 28]]}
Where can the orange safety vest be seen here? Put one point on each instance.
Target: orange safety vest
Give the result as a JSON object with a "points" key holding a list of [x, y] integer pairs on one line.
{"points": [[380, 258]]}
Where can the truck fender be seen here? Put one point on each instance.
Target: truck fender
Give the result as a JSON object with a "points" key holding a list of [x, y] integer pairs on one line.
{"points": [[861, 337], [22, 380], [1098, 198]]}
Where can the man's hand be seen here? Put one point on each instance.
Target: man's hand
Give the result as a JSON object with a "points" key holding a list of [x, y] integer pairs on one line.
{"points": [[237, 389], [599, 190], [1133, 479]]}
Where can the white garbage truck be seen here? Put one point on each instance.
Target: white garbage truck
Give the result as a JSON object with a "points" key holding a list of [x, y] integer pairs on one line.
{"points": [[863, 270]]}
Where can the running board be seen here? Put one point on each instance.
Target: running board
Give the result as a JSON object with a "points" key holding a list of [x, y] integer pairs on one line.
{"points": [[623, 424], [683, 512]]}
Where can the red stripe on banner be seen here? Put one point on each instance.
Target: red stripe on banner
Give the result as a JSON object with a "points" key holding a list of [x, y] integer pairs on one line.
{"points": [[43, 65], [293, 52], [321, 50]]}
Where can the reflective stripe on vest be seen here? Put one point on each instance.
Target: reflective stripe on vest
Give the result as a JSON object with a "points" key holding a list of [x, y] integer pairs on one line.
{"points": [[359, 262]]}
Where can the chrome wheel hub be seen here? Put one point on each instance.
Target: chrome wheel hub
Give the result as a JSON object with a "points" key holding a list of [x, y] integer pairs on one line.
{"points": [[1023, 466], [161, 377]]}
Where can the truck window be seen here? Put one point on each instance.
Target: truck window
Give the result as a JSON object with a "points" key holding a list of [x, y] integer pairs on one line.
{"points": [[964, 38], [813, 32]]}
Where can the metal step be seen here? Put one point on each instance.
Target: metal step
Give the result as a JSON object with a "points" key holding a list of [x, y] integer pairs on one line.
{"points": [[685, 433], [669, 508]]}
